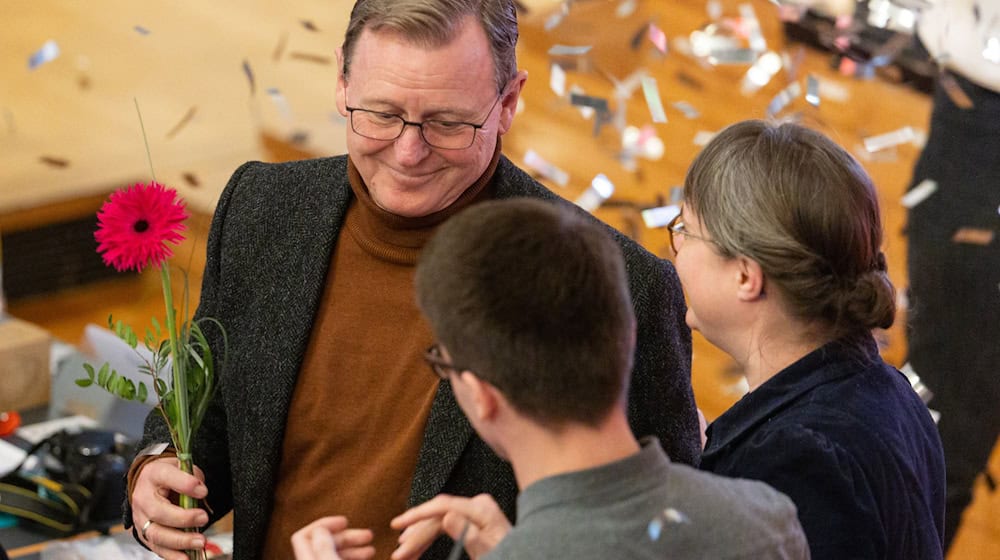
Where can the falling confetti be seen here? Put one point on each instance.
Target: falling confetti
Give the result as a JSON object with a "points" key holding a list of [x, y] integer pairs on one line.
{"points": [[183, 122], [752, 26], [250, 79], [889, 139], [569, 50], [783, 98], [547, 170], [703, 137], [598, 104], [660, 217], [555, 19], [670, 516], [141, 30], [310, 57], [48, 53], [310, 26], [760, 74], [919, 193], [658, 38], [812, 90], [625, 9], [973, 236], [689, 110], [557, 80], [279, 48], [54, 161], [280, 102], [191, 179], [601, 188], [652, 95]]}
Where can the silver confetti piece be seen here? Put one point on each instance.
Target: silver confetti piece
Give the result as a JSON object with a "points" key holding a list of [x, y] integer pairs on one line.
{"points": [[280, 102], [557, 80], [569, 50], [760, 74], [660, 217], [752, 26], [547, 170], [626, 8], [703, 137], [783, 98], [919, 193], [601, 188], [652, 95], [922, 390], [670, 516], [688, 109], [889, 139], [47, 53], [812, 90]]}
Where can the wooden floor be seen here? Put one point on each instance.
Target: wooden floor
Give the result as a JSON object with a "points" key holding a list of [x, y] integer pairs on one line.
{"points": [[850, 110]]}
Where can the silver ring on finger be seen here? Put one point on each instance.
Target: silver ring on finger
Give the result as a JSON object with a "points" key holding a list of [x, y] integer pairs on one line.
{"points": [[145, 527]]}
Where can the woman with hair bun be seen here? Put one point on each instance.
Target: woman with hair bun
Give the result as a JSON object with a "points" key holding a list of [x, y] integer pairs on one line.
{"points": [[778, 250]]}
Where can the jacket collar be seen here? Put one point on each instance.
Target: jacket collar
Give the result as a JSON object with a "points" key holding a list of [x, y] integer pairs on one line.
{"points": [[819, 367]]}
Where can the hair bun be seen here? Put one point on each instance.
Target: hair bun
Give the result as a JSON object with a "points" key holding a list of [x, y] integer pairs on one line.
{"points": [[870, 301]]}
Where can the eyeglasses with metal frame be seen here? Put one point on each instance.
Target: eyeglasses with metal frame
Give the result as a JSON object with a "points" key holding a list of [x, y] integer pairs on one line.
{"points": [[441, 134], [677, 227]]}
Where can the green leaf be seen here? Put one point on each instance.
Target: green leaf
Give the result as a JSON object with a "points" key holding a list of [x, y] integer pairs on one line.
{"points": [[143, 392], [126, 389], [161, 387], [90, 371], [156, 325], [112, 381], [102, 376], [84, 382]]}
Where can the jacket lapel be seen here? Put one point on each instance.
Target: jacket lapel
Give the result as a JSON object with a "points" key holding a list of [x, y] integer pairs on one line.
{"points": [[445, 436]]}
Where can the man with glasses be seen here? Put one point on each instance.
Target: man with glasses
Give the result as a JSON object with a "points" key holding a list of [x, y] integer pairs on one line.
{"points": [[543, 374], [323, 406]]}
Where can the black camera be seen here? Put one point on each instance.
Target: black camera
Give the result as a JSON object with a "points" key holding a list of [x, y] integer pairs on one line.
{"points": [[96, 460]]}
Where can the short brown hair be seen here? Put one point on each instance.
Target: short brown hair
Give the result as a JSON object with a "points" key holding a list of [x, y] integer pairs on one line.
{"points": [[798, 204], [533, 299], [435, 23]]}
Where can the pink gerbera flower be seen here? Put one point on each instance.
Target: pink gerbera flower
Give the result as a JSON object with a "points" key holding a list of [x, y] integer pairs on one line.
{"points": [[135, 224]]}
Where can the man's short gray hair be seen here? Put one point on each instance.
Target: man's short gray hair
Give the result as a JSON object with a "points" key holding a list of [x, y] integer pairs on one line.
{"points": [[435, 23]]}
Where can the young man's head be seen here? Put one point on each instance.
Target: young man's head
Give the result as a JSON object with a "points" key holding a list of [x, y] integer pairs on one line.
{"points": [[532, 299]]}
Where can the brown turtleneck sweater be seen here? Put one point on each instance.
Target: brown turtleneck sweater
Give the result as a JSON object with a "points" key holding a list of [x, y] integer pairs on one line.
{"points": [[356, 420]]}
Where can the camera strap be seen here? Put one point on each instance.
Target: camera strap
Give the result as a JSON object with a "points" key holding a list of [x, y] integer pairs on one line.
{"points": [[61, 507], [54, 505]]}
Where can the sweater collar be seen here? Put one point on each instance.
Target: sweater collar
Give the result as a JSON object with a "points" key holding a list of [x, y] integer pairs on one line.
{"points": [[397, 238]]}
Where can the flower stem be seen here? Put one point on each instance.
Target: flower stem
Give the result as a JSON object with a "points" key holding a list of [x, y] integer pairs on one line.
{"points": [[180, 401], [178, 367]]}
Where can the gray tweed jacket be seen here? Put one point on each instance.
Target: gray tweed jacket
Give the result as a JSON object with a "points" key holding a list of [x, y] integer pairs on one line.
{"points": [[268, 252]]}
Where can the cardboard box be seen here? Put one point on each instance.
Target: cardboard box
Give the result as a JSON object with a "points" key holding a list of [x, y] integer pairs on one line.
{"points": [[25, 377]]}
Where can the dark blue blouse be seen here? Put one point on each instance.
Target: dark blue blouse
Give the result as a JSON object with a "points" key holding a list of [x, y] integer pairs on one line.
{"points": [[848, 440]]}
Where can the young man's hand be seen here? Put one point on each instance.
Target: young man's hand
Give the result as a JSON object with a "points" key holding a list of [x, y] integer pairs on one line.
{"points": [[328, 538], [480, 518]]}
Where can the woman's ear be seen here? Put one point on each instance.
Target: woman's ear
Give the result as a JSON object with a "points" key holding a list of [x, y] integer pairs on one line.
{"points": [[750, 279]]}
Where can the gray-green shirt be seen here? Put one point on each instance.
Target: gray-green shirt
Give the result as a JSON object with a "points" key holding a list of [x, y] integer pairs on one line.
{"points": [[646, 507]]}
